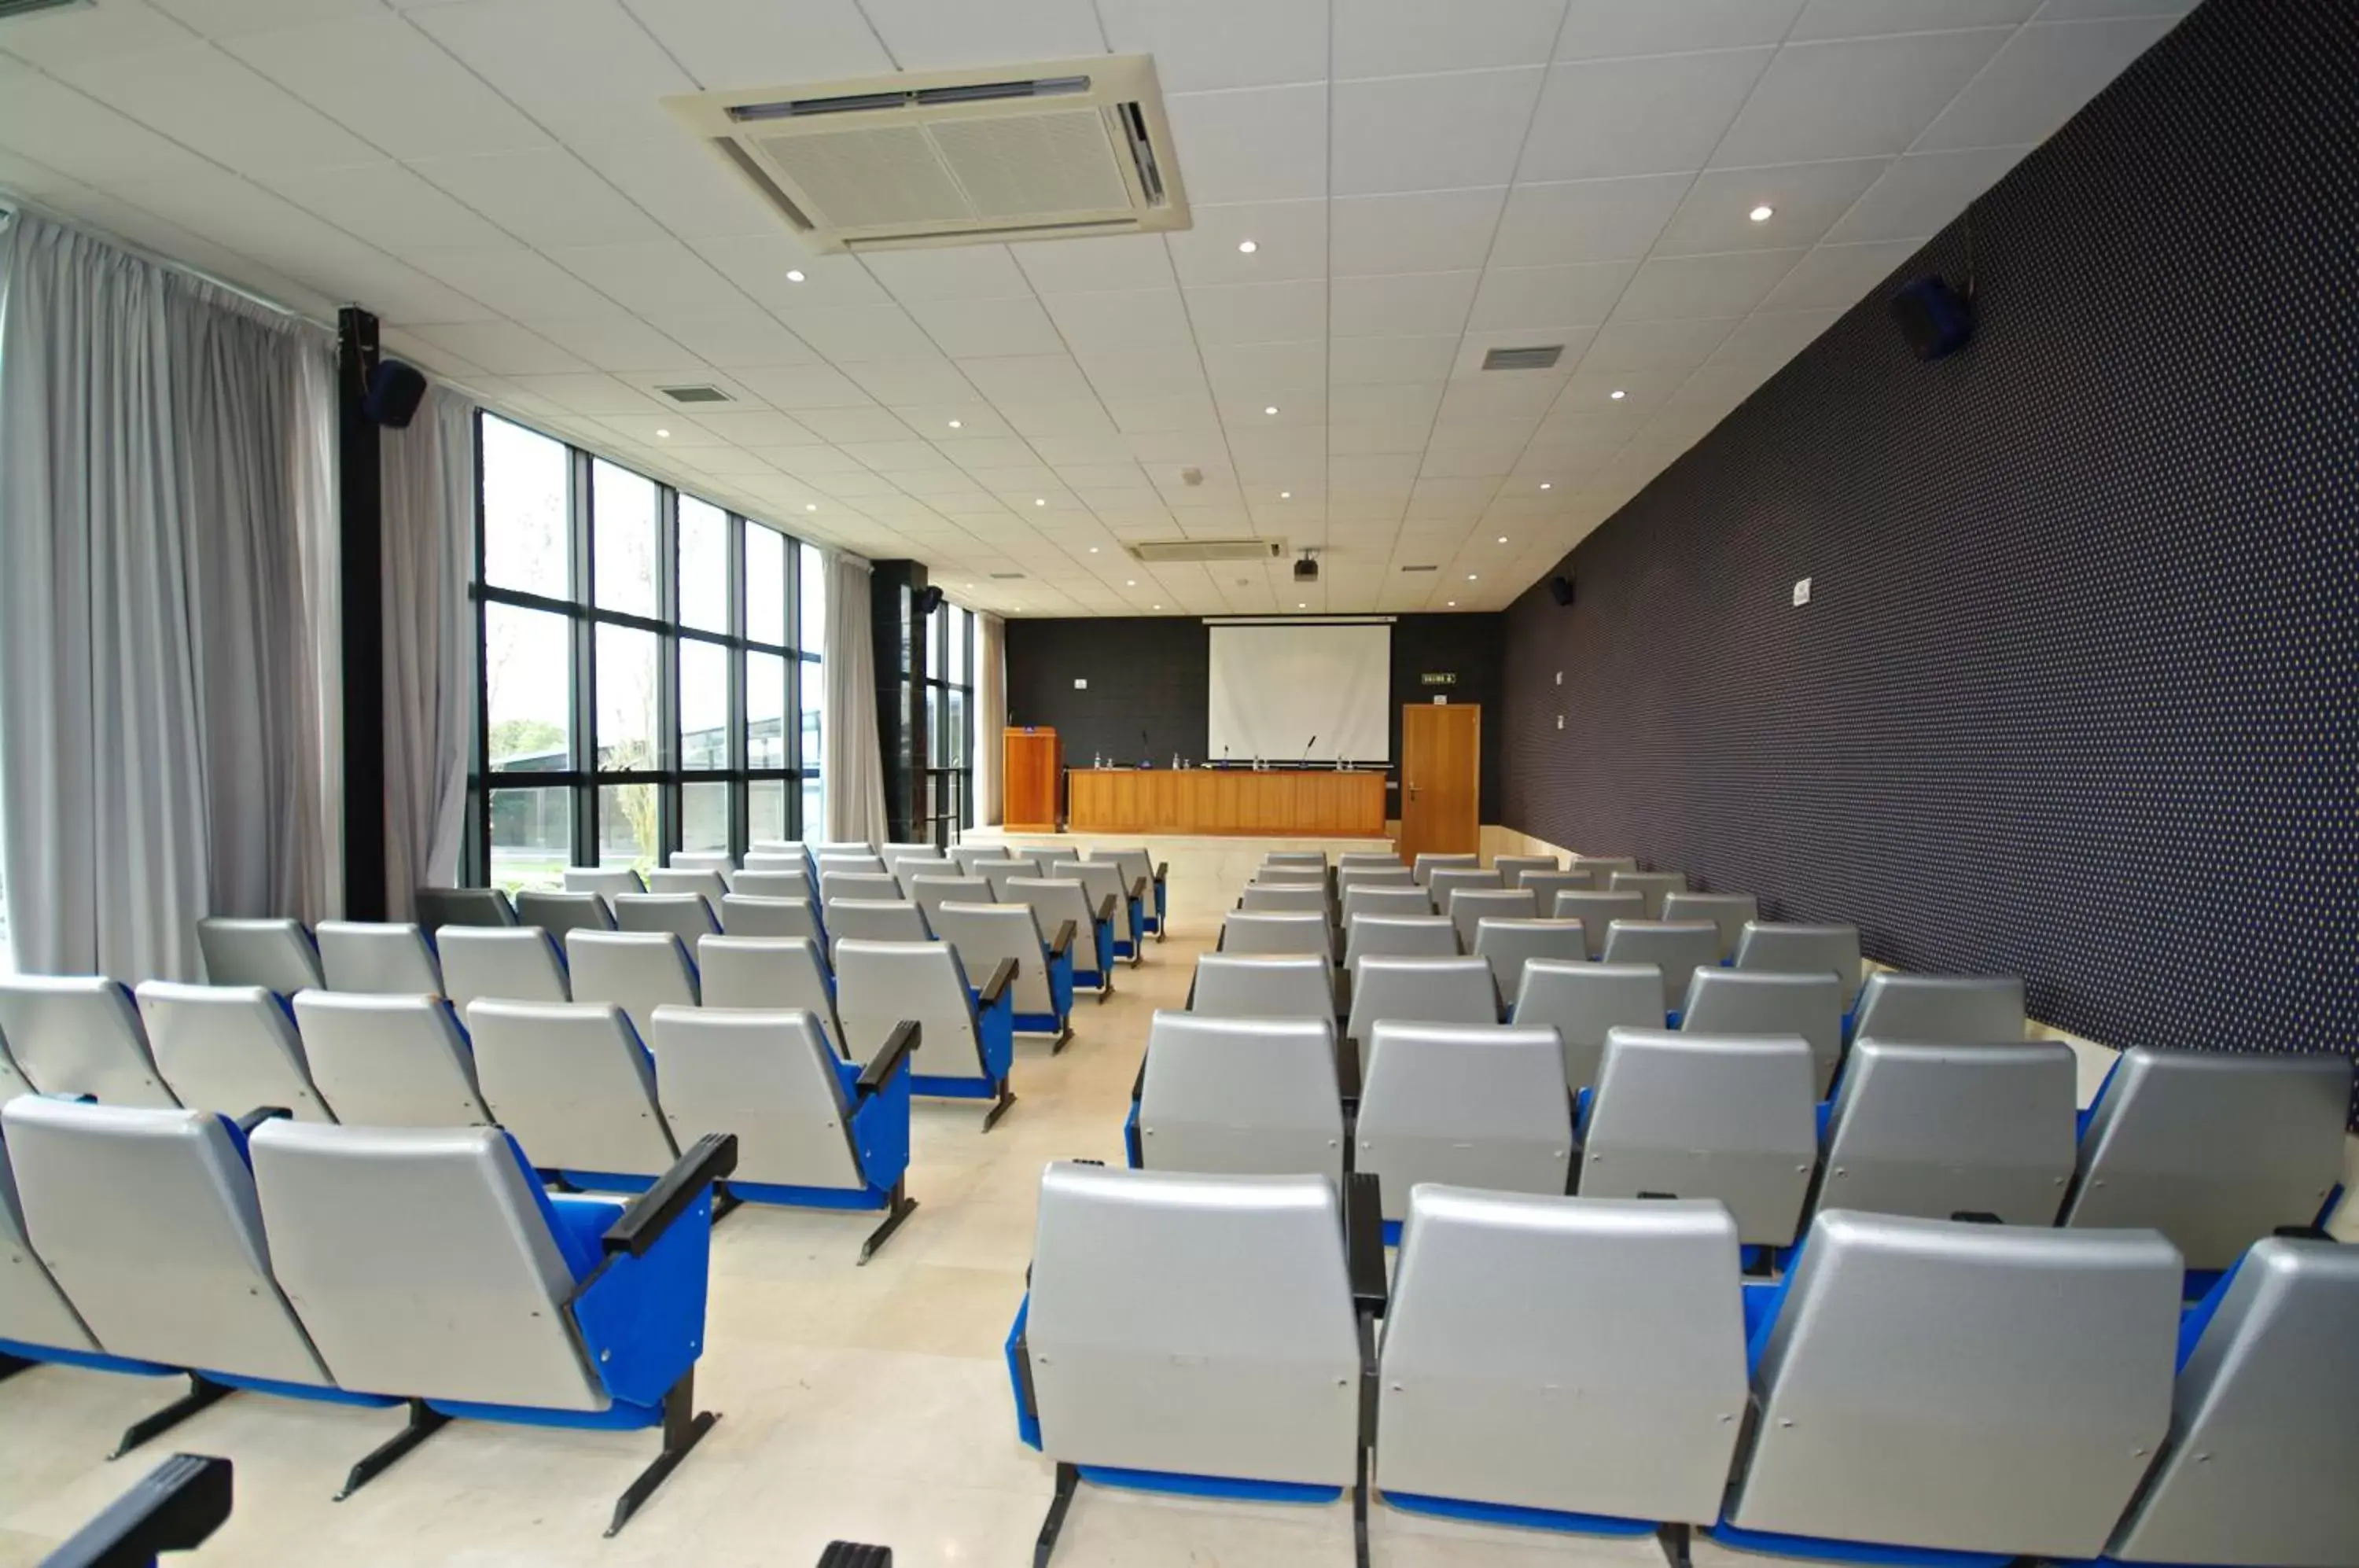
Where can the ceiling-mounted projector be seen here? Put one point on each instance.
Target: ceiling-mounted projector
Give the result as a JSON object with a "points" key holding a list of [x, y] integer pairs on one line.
{"points": [[1307, 569]]}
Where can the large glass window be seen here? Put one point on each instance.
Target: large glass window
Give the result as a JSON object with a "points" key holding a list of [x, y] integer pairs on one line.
{"points": [[638, 658], [950, 700]]}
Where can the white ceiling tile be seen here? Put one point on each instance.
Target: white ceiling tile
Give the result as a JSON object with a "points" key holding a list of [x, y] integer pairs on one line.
{"points": [[1805, 200], [1397, 38], [584, 69], [1401, 402], [796, 388], [401, 344], [1252, 426], [1378, 436], [1770, 339], [547, 198], [1857, 98], [1379, 361], [1587, 401], [1858, 18], [1141, 371], [979, 455], [977, 419], [391, 83], [724, 461], [1075, 417], [652, 275], [763, 265], [967, 329], [1267, 371], [1426, 230], [1256, 143], [1153, 319], [1115, 261], [1431, 132], [756, 427], [1678, 288], [1588, 220], [1406, 305], [1185, 414], [502, 347], [1599, 119], [682, 186], [847, 425], [1205, 43], [1652, 345], [1837, 277], [1542, 297], [1921, 193], [2085, 10], [1027, 378], [1599, 29], [611, 342], [732, 43], [390, 207], [1520, 398], [814, 463], [1255, 313], [26, 178], [935, 35], [929, 381], [1063, 452], [72, 37], [45, 120], [587, 395], [217, 107], [849, 333], [948, 272], [2040, 80], [1290, 240], [737, 341]]}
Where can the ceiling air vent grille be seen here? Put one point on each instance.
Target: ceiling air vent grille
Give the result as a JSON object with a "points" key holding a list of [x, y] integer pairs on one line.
{"points": [[696, 394], [1178, 552], [1420, 569], [1007, 576], [1540, 358], [11, 9]]}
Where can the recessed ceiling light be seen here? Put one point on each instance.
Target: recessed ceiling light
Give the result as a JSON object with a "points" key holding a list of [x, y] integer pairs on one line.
{"points": [[1547, 486], [1286, 494], [1130, 582], [1470, 577], [1617, 394], [1039, 500], [1158, 606], [1271, 409], [1247, 246], [1503, 538], [1762, 215], [958, 424], [811, 506], [794, 275], [1094, 550], [1452, 604], [664, 434], [1301, 605]]}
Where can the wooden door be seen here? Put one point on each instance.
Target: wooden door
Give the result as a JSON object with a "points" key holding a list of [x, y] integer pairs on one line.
{"points": [[1441, 779]]}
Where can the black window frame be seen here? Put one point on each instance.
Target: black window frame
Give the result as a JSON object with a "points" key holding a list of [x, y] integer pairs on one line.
{"points": [[949, 792]]}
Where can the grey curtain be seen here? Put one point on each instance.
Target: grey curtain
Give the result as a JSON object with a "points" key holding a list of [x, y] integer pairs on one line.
{"points": [[990, 718], [852, 764], [430, 644], [160, 489]]}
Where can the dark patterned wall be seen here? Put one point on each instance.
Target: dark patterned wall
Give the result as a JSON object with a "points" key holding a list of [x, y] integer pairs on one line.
{"points": [[2077, 694]]}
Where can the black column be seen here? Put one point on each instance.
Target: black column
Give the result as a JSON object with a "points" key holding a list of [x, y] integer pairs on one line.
{"points": [[360, 536], [899, 637]]}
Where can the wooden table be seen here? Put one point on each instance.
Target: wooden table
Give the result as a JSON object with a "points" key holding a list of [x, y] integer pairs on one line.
{"points": [[1288, 803]]}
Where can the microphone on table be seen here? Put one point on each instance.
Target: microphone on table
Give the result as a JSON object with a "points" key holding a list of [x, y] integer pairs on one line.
{"points": [[1306, 751], [1145, 753]]}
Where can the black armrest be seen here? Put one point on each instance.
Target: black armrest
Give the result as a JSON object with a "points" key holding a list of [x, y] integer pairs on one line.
{"points": [[2302, 1233], [1001, 979], [1138, 1084], [1162, 871], [1364, 1237], [1976, 1216], [651, 1213], [261, 1113], [853, 1554], [1105, 908], [173, 1509], [1138, 890], [891, 1054], [1063, 942], [1347, 1067]]}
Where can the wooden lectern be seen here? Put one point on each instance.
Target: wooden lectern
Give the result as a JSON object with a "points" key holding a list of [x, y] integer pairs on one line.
{"points": [[1033, 766]]}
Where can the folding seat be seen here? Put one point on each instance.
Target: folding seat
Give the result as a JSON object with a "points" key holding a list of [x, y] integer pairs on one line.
{"points": [[966, 856], [1730, 911], [606, 880], [1313, 857], [558, 913], [2213, 1151], [1792, 949], [566, 1312], [1241, 932], [1050, 860], [850, 865], [771, 974], [1677, 950], [686, 879], [1504, 1301], [1957, 1388], [522, 964], [1583, 1002], [1512, 868], [1603, 867], [850, 849], [1298, 987], [1445, 880], [1544, 886], [439, 906], [754, 884], [837, 886], [876, 919], [1420, 990], [1949, 1009], [775, 846], [636, 971], [1597, 912], [1380, 859], [997, 872], [37, 1321], [1705, 1116], [1943, 1130], [1653, 886], [1270, 875], [893, 854], [389, 1060], [574, 1086], [1138, 867], [74, 1034], [12, 1081], [985, 934], [1736, 1001], [2258, 1468], [1350, 876], [1057, 902], [744, 914], [1265, 898], [687, 916], [909, 868], [386, 957], [967, 1035], [1467, 1105], [1384, 900], [1397, 936], [1426, 866], [278, 955], [1469, 907], [932, 892], [716, 860], [230, 1049], [1509, 944], [1103, 880], [1246, 1097], [785, 856]]}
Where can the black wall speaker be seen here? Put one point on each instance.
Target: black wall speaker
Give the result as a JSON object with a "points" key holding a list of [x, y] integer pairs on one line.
{"points": [[928, 600], [394, 392], [1935, 318], [1561, 589]]}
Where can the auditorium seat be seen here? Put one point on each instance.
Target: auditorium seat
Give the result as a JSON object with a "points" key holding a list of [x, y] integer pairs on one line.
{"points": [[275, 955], [636, 971], [1384, 900], [1103, 880], [378, 956], [774, 884], [851, 861], [704, 881], [1469, 1106], [966, 1040], [1243, 1096], [37, 1321], [744, 914], [909, 868], [1060, 902], [1300, 986], [1315, 858], [1350, 876], [1678, 949], [1736, 1001], [987, 934], [701, 860], [1652, 886], [571, 1312], [1139, 867], [998, 872], [1469, 907], [873, 887], [602, 879], [230, 1048], [1544, 886], [1399, 936], [1583, 1001], [777, 855], [1693, 1115], [1603, 867], [966, 856], [1268, 898], [1780, 947], [12, 1081], [558, 913], [1941, 1130], [1597, 912], [1445, 880], [1425, 866], [1959, 1009], [1513, 869], [1509, 944], [73, 1035], [1957, 1388], [1420, 990], [573, 1084], [2215, 1150], [768, 974], [521, 963], [876, 919], [2257, 1471], [895, 855], [1381, 859], [389, 1060], [1729, 911], [687, 916], [931, 893], [1249, 933], [439, 906], [1270, 875]]}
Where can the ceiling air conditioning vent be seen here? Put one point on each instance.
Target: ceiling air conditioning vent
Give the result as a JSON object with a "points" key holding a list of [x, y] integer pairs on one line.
{"points": [[1420, 569], [1007, 577], [1174, 552], [1523, 358], [941, 158], [696, 394], [11, 9]]}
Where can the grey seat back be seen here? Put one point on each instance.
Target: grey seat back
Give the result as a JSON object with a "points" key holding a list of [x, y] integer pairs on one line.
{"points": [[967, 856], [388, 957], [1425, 866], [997, 873], [366, 1223], [1445, 880], [558, 913], [744, 914], [1963, 1009], [230, 1048], [835, 886], [1313, 857], [1597, 912], [1368, 857], [1350, 876], [389, 1060], [1421, 990], [1603, 867], [706, 882], [894, 853], [1278, 899], [909, 868], [2011, 1384], [636, 971], [1360, 901], [1507, 944], [439, 906], [72, 1035], [1653, 886], [701, 860], [33, 1310], [1583, 1001], [1195, 1323], [878, 984], [520, 963], [2213, 1151], [1512, 868], [930, 893], [842, 849], [1796, 949], [1544, 886], [1102, 880], [687, 916], [1940, 1131], [1730, 911], [776, 855], [878, 919], [2262, 1444], [984, 934], [1469, 907], [1469, 1106], [1243, 932], [1137, 867], [1763, 1001], [1245, 1096], [847, 862], [1503, 1302], [275, 955], [1054, 901], [1399, 936], [1706, 1115], [769, 884], [1679, 949], [768, 1077], [602, 879], [771, 974], [572, 1082], [1300, 986], [1270, 875], [146, 1219]]}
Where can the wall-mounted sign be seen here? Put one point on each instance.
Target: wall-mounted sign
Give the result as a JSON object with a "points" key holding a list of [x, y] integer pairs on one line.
{"points": [[1438, 677]]}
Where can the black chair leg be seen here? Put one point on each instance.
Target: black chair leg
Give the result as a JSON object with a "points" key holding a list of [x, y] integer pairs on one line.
{"points": [[1069, 1479], [1673, 1539], [683, 1428], [998, 1105], [424, 1422], [1064, 1035], [898, 1208], [1360, 1511], [725, 1202], [202, 1391], [12, 1364]]}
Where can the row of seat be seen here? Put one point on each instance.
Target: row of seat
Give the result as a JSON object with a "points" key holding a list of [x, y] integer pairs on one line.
{"points": [[1913, 1389]]}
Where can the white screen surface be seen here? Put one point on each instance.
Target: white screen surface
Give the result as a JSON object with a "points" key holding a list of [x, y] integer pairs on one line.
{"points": [[1278, 690]]}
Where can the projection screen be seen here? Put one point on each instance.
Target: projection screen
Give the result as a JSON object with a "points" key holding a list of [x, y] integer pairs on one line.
{"points": [[1280, 693]]}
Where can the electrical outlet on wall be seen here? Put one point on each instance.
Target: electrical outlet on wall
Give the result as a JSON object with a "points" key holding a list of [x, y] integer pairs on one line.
{"points": [[1560, 677], [1080, 682], [1801, 592], [1559, 721]]}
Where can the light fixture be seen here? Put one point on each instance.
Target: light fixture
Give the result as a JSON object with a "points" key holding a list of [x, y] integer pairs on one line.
{"points": [[1617, 394], [1301, 605], [664, 434], [794, 275], [1247, 246], [1762, 215], [811, 506], [1452, 604], [1470, 577], [958, 424], [1546, 486], [1503, 538], [1039, 500], [1271, 409], [1094, 550], [1130, 582], [1286, 494], [1158, 606]]}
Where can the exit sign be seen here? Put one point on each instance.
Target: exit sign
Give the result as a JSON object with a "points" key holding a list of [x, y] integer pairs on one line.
{"points": [[1439, 677]]}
